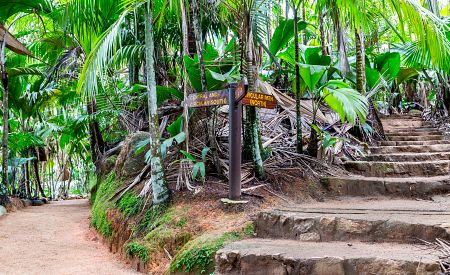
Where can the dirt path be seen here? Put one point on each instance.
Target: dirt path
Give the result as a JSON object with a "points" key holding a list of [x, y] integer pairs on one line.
{"points": [[54, 239]]}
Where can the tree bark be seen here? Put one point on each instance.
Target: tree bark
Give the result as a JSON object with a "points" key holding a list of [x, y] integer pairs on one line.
{"points": [[252, 135], [304, 19], [38, 178], [341, 41], [96, 139], [360, 62], [158, 184], [4, 200], [322, 34], [297, 87], [185, 52], [199, 42]]}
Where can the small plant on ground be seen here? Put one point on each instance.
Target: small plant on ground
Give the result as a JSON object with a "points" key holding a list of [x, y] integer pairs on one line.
{"points": [[198, 255], [101, 204], [130, 204], [135, 249]]}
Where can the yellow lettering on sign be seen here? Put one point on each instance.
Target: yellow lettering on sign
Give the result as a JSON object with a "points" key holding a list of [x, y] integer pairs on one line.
{"points": [[258, 103]]}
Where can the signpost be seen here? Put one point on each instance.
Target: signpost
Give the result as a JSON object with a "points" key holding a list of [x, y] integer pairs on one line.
{"points": [[235, 96]]}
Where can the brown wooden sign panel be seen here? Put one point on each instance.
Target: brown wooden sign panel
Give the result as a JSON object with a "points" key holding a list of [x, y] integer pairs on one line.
{"points": [[259, 100], [214, 98]]}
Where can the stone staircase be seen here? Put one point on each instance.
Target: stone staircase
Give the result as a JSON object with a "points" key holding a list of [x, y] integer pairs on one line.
{"points": [[373, 227]]}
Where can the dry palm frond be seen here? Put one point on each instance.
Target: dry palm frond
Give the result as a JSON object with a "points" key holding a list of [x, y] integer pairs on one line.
{"points": [[185, 177], [441, 249]]}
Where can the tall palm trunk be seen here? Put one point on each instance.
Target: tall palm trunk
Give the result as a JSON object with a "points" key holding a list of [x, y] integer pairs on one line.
{"points": [[157, 180], [95, 136], [297, 86], [361, 83], [360, 61], [185, 52], [252, 135], [322, 34], [341, 41], [303, 19], [212, 141], [38, 178], [199, 42], [4, 200]]}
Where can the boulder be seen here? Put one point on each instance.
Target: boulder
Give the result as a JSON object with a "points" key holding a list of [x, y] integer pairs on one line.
{"points": [[37, 202], [2, 210], [128, 163]]}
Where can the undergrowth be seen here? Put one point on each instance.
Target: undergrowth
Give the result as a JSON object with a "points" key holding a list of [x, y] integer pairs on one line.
{"points": [[198, 255], [130, 204], [135, 249], [106, 189]]}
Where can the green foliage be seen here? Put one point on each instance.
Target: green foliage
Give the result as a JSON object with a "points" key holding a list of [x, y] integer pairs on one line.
{"points": [[347, 102], [182, 222], [199, 166], [135, 249], [198, 255], [106, 189], [156, 215], [249, 229], [130, 204], [283, 34]]}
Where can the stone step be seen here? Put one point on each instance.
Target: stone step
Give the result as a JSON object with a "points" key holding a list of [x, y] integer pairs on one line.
{"points": [[400, 221], [412, 142], [397, 157], [411, 129], [400, 117], [399, 169], [410, 149], [273, 257], [415, 136], [406, 123], [420, 187]]}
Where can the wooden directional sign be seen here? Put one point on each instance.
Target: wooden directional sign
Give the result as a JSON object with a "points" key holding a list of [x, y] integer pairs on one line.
{"points": [[259, 100], [215, 98]]}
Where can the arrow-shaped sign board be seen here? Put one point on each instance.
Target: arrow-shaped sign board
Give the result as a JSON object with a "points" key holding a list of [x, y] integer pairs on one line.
{"points": [[220, 97]]}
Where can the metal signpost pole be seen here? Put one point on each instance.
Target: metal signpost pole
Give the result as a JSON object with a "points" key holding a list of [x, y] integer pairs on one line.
{"points": [[235, 144]]}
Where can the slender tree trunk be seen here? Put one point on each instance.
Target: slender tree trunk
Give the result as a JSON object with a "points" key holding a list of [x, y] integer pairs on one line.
{"points": [[199, 42], [212, 141], [304, 19], [360, 62], [297, 87], [322, 34], [192, 48], [341, 41], [27, 180], [38, 179], [361, 83], [161, 193], [4, 200], [185, 52], [252, 135], [96, 139]]}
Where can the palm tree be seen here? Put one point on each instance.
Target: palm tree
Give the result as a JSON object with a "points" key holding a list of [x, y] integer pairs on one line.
{"points": [[157, 180], [7, 40]]}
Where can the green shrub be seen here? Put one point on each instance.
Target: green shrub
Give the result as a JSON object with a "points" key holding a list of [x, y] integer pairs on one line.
{"points": [[130, 204], [198, 255], [135, 249], [106, 189], [249, 229]]}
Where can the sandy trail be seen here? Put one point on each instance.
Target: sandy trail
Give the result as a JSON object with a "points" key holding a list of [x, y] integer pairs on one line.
{"points": [[54, 239]]}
